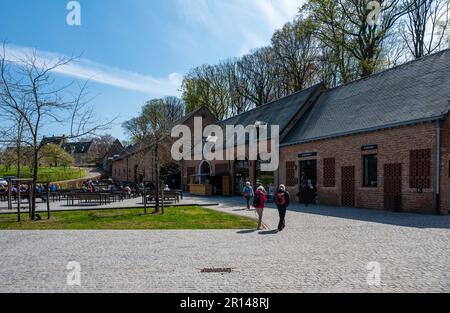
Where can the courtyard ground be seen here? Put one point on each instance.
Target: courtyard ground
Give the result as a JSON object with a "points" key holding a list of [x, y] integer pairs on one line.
{"points": [[323, 249]]}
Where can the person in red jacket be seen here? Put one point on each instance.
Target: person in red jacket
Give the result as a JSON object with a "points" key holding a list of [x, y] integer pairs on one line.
{"points": [[259, 203]]}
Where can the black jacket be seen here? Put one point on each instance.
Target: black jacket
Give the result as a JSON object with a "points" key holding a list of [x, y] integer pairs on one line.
{"points": [[286, 196]]}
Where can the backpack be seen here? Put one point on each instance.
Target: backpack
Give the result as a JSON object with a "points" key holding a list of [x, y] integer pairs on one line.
{"points": [[247, 192], [280, 198]]}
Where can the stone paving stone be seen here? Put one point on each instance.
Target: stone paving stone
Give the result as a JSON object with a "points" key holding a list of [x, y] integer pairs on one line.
{"points": [[323, 249]]}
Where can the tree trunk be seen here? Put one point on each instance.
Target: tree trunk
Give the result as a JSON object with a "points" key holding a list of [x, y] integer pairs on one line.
{"points": [[162, 197], [18, 160], [157, 179], [158, 185], [33, 185]]}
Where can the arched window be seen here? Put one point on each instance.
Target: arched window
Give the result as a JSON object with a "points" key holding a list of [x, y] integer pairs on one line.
{"points": [[205, 172]]}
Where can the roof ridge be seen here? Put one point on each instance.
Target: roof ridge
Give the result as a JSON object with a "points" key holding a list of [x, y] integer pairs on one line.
{"points": [[421, 59], [273, 101]]}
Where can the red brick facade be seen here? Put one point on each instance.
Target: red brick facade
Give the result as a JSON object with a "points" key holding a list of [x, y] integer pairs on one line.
{"points": [[345, 154], [394, 146]]}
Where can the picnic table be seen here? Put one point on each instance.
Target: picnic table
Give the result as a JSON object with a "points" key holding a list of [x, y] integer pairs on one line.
{"points": [[99, 198]]}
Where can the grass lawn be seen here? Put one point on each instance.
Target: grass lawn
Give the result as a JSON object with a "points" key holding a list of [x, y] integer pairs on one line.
{"points": [[46, 173], [174, 218]]}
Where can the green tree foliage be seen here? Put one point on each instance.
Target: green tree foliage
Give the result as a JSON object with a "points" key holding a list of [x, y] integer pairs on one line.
{"points": [[53, 155]]}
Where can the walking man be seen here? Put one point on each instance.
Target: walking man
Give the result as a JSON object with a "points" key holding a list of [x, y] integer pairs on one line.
{"points": [[282, 200], [248, 194]]}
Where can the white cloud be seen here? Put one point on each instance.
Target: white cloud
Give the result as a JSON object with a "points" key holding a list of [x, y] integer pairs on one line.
{"points": [[87, 69], [251, 21]]}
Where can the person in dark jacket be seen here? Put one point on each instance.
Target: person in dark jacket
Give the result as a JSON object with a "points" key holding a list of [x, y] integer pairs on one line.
{"points": [[282, 200], [306, 194]]}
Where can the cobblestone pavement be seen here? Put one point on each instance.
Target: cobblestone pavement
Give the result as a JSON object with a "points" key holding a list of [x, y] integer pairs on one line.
{"points": [[323, 249]]}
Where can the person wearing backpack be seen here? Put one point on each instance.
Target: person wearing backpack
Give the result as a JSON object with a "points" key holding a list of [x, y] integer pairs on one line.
{"points": [[248, 194], [259, 203], [282, 200]]}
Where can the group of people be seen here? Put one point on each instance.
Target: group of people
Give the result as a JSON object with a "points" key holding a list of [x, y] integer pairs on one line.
{"points": [[41, 191], [24, 188], [258, 200]]}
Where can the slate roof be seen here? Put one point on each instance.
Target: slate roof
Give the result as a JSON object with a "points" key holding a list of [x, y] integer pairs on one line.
{"points": [[410, 93], [78, 147], [279, 112], [53, 140]]}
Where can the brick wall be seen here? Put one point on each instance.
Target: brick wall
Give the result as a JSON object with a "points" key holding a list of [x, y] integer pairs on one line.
{"points": [[445, 170], [129, 169], [394, 146]]}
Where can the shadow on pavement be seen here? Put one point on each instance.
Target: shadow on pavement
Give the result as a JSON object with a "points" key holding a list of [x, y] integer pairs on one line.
{"points": [[268, 232], [248, 231], [381, 217]]}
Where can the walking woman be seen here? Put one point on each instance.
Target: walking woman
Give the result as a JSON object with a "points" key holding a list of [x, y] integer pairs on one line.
{"points": [[282, 199], [248, 194], [259, 203]]}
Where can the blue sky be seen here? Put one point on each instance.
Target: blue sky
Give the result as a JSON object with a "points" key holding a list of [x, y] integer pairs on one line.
{"points": [[135, 50]]}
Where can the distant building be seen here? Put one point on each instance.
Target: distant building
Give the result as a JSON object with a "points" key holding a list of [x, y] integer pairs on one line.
{"points": [[108, 158], [136, 164], [54, 140], [79, 150]]}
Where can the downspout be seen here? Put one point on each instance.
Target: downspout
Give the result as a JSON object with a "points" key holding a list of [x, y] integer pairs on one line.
{"points": [[438, 166]]}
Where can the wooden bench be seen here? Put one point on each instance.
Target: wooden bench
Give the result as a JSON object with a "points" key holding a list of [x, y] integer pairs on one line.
{"points": [[168, 196], [100, 198]]}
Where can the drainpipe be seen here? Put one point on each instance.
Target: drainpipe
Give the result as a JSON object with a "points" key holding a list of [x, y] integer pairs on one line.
{"points": [[438, 166]]}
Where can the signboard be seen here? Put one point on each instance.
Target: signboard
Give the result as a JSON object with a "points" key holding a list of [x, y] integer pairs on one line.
{"points": [[307, 154], [369, 147]]}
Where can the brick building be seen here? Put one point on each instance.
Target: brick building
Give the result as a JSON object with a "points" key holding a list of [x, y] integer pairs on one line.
{"points": [[382, 142], [134, 164], [113, 151]]}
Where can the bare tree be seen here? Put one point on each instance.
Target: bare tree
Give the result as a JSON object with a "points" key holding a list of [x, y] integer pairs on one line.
{"points": [[296, 51], [238, 103], [258, 73], [425, 30], [151, 132], [100, 146], [28, 91], [345, 24]]}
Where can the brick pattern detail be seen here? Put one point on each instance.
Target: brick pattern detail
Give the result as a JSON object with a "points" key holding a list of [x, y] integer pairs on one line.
{"points": [[290, 173], [190, 171], [329, 172], [420, 168], [222, 169], [393, 186], [348, 186]]}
